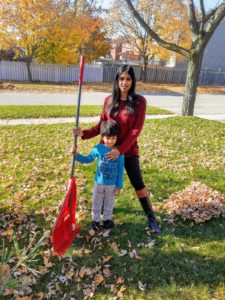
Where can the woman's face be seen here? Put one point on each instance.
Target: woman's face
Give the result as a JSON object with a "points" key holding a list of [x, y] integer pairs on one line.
{"points": [[124, 82]]}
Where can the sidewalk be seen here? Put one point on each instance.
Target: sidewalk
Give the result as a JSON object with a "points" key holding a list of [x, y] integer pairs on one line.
{"points": [[64, 120], [5, 122]]}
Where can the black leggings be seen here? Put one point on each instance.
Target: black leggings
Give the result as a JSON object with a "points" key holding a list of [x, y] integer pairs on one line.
{"points": [[134, 173]]}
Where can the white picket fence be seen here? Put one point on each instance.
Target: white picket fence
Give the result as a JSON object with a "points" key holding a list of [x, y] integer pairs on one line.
{"points": [[10, 70]]}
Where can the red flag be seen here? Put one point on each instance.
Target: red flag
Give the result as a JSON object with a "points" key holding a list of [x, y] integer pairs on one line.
{"points": [[65, 228]]}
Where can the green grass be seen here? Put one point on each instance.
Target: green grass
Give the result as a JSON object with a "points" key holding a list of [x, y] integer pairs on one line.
{"points": [[54, 111], [187, 260]]}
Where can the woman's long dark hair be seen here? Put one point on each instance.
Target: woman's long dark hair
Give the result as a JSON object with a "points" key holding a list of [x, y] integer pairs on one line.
{"points": [[113, 105]]}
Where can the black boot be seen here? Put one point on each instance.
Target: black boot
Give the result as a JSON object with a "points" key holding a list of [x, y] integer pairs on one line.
{"points": [[147, 207]]}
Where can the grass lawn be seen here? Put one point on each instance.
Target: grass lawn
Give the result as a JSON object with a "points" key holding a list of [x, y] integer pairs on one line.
{"points": [[185, 262], [54, 111]]}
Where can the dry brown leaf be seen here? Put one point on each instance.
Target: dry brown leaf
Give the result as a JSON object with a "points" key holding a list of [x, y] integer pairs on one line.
{"points": [[57, 287], [81, 216], [8, 292], [119, 294], [47, 263], [88, 293], [22, 270], [82, 272], [4, 272], [99, 279], [133, 254], [39, 295], [106, 258], [120, 280], [7, 233], [118, 222]]}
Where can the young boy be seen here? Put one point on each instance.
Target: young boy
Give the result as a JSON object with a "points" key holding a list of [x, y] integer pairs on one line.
{"points": [[108, 176]]}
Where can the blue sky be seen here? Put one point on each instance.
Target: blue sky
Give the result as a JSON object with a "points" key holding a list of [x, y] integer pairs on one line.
{"points": [[208, 3]]}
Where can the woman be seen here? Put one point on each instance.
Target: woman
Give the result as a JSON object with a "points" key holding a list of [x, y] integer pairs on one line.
{"points": [[128, 109]]}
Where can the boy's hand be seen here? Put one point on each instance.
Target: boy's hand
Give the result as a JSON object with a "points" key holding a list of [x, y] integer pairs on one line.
{"points": [[117, 192], [78, 131], [74, 150]]}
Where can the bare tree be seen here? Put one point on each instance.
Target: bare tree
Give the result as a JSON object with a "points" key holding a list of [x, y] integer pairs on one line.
{"points": [[202, 26], [130, 31]]}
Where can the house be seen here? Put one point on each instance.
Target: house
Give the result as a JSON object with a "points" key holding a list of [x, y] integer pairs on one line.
{"points": [[122, 50], [214, 54]]}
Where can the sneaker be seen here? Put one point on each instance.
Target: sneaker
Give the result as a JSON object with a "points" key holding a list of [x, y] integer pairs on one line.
{"points": [[108, 224], [95, 225]]}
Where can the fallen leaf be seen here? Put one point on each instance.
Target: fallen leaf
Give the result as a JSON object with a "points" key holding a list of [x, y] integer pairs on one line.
{"points": [[39, 295], [118, 222], [4, 272], [47, 263], [141, 286], [98, 279], [120, 280], [82, 272], [122, 252], [88, 293], [106, 258]]}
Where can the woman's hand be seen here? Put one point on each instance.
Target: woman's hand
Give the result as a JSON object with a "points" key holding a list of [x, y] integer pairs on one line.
{"points": [[78, 131], [74, 150], [113, 154]]}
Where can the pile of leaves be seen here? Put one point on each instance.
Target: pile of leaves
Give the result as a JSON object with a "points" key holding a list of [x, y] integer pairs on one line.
{"points": [[197, 203]]}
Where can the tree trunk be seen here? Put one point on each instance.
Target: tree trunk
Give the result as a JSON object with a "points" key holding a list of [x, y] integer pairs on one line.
{"points": [[193, 71], [144, 70], [28, 63]]}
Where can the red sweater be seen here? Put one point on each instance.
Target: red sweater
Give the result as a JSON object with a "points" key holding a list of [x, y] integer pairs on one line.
{"points": [[130, 126]]}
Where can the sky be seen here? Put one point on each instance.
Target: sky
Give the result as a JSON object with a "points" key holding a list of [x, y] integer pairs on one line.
{"points": [[208, 3]]}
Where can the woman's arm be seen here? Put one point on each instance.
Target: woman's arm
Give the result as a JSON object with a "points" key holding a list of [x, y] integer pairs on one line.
{"points": [[95, 130]]}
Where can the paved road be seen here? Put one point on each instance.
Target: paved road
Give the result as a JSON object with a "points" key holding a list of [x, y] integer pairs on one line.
{"points": [[205, 104]]}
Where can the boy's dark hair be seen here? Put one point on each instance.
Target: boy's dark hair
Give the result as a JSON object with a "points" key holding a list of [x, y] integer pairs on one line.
{"points": [[109, 128]]}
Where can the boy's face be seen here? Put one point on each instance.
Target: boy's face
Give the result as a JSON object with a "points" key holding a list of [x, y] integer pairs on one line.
{"points": [[109, 141]]}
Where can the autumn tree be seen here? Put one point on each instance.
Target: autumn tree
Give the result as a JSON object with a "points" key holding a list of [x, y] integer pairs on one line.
{"points": [[202, 25], [25, 26], [74, 33], [121, 22]]}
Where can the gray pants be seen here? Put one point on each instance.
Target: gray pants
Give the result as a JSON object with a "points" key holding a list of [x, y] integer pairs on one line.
{"points": [[103, 196]]}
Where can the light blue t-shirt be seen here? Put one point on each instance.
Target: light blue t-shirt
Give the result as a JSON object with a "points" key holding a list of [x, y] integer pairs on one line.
{"points": [[109, 172]]}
